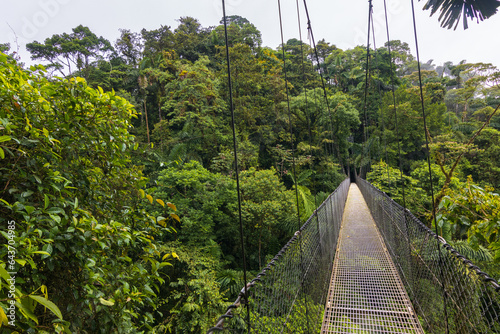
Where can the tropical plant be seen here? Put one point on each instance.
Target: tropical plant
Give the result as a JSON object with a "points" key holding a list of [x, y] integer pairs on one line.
{"points": [[82, 235], [451, 11]]}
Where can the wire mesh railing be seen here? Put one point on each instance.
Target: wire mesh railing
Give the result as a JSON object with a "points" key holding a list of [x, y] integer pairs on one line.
{"points": [[289, 295], [449, 293]]}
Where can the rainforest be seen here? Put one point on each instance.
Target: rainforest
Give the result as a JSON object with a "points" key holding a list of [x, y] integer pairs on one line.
{"points": [[117, 178]]}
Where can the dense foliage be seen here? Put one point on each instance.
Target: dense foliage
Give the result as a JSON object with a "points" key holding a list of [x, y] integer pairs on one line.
{"points": [[120, 176], [82, 236]]}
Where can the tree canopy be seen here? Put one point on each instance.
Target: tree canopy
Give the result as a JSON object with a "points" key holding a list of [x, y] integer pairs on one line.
{"points": [[116, 163]]}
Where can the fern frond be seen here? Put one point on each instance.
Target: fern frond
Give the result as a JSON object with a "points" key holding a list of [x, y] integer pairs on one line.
{"points": [[474, 254]]}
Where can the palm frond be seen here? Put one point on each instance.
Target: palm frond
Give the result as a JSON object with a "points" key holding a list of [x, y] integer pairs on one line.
{"points": [[452, 10]]}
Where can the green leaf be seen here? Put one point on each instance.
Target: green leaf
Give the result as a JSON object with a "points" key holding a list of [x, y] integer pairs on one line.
{"points": [[29, 209], [26, 312], [55, 210], [48, 304], [3, 318], [4, 274], [164, 264], [110, 302], [2, 153], [41, 252], [148, 289], [21, 262], [27, 193], [47, 248], [46, 201], [91, 263], [55, 218], [5, 138]]}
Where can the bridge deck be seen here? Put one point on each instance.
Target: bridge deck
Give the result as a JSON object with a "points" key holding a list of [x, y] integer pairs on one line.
{"points": [[366, 294]]}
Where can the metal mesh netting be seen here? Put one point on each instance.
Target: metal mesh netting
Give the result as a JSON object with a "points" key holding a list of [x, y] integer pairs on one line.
{"points": [[447, 291], [289, 295], [366, 294]]}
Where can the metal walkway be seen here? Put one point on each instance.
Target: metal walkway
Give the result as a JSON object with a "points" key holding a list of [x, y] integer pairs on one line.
{"points": [[366, 294]]}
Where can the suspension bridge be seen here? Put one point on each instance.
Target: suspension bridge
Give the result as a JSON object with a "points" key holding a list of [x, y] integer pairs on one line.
{"points": [[362, 263]]}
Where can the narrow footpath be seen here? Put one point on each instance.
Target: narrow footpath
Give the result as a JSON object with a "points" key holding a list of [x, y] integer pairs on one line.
{"points": [[366, 295]]}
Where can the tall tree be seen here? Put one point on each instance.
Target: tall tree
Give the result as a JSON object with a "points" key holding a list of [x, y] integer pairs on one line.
{"points": [[189, 38], [240, 30], [157, 40], [129, 46], [69, 52]]}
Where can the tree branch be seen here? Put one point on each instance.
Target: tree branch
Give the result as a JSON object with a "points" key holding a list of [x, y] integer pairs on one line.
{"points": [[455, 164]]}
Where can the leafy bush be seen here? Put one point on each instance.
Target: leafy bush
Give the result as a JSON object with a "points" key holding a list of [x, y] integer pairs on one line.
{"points": [[82, 236]]}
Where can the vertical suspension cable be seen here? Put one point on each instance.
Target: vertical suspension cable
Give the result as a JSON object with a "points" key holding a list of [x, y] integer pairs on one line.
{"points": [[426, 134], [309, 28], [373, 35], [380, 97], [398, 139], [316, 102], [367, 70], [306, 110], [370, 80], [393, 89], [293, 160], [235, 147]]}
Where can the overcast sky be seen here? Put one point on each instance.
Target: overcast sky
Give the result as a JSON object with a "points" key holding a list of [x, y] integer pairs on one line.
{"points": [[342, 23]]}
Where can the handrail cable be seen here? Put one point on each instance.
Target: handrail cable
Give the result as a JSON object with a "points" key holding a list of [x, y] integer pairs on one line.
{"points": [[294, 172], [427, 134]]}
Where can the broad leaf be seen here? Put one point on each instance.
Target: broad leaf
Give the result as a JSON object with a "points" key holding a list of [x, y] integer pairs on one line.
{"points": [[106, 302], [48, 304]]}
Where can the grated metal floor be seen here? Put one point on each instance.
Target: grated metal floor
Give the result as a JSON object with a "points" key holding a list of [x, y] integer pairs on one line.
{"points": [[366, 294]]}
